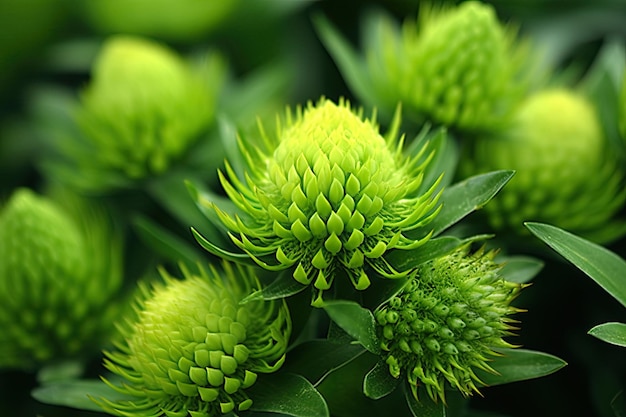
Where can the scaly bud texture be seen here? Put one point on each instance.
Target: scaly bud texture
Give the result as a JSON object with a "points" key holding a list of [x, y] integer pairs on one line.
{"points": [[461, 67], [330, 197], [195, 349], [143, 109], [53, 298], [564, 173], [446, 322]]}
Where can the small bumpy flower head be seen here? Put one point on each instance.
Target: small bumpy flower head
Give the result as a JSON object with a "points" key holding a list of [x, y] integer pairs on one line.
{"points": [[142, 110], [54, 299], [461, 67], [329, 198], [446, 322], [564, 173], [194, 349]]}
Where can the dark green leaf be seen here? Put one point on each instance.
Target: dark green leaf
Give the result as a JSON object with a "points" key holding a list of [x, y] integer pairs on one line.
{"points": [[444, 160], [519, 365], [315, 359], [425, 407], [351, 65], [220, 252], [165, 242], [378, 382], [464, 197], [403, 260], [357, 321], [520, 269], [59, 371], [603, 266], [77, 393], [618, 404], [283, 286], [614, 333], [287, 394]]}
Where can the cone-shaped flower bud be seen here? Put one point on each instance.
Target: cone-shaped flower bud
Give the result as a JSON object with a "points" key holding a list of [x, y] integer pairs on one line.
{"points": [[194, 349], [142, 110], [445, 323], [564, 173], [60, 271], [457, 66], [329, 197]]}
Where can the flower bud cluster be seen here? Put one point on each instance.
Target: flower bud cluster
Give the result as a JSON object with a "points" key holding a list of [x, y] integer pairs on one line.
{"points": [[195, 349], [447, 321]]}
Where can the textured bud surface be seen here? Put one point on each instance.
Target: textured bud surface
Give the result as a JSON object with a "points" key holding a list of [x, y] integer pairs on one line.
{"points": [[143, 109], [446, 322], [459, 67], [564, 174], [53, 298], [329, 197], [194, 349]]}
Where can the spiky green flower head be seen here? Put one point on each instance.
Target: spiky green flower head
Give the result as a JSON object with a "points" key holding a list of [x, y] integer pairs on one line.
{"points": [[446, 322], [328, 197], [195, 350], [564, 173], [143, 109], [60, 271], [458, 66]]}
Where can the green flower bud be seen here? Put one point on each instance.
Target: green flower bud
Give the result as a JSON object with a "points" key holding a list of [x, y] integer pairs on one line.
{"points": [[328, 197], [142, 111], [58, 279], [457, 66], [564, 173], [452, 314], [194, 349]]}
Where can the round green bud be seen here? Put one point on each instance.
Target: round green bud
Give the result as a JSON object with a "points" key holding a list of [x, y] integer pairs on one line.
{"points": [[142, 110], [328, 197], [452, 314], [564, 173], [56, 298], [195, 348], [457, 66]]}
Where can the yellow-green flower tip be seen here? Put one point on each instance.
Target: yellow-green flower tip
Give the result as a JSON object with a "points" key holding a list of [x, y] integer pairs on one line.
{"points": [[328, 197], [54, 298], [194, 349], [564, 173], [457, 66], [183, 20], [447, 321], [142, 110]]}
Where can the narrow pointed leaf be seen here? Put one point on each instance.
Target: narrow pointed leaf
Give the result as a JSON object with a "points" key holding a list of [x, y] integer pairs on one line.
{"points": [[520, 365], [520, 269], [165, 242], [378, 382], [77, 393], [283, 286], [212, 248], [403, 260], [357, 321], [614, 333], [464, 197], [603, 266], [289, 395]]}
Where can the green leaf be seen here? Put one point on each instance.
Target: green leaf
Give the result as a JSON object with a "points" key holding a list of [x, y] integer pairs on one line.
{"points": [[60, 371], [519, 365], [425, 407], [444, 161], [466, 196], [603, 266], [378, 382], [403, 260], [77, 393], [241, 258], [357, 321], [328, 357], [520, 269], [283, 286], [351, 65], [165, 242], [614, 333], [618, 404], [287, 394]]}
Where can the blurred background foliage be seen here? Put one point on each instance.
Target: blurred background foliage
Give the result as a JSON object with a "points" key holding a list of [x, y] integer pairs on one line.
{"points": [[48, 46]]}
